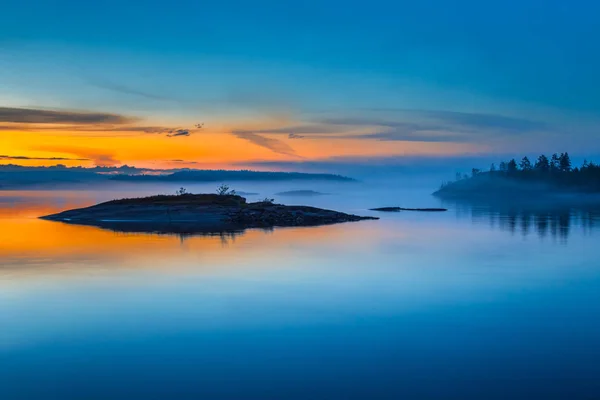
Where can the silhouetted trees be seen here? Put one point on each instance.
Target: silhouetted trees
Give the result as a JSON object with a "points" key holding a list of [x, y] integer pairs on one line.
{"points": [[564, 162], [557, 170], [542, 164], [555, 163], [525, 164]]}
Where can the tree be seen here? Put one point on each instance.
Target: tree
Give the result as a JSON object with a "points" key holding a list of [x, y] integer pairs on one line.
{"points": [[224, 190], [493, 167], [542, 164], [555, 163], [475, 172], [181, 191], [503, 166], [525, 164], [565, 162], [511, 167]]}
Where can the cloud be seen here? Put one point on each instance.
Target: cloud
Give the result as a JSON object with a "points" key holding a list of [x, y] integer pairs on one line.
{"points": [[31, 120], [413, 125], [301, 129], [274, 145], [6, 157], [494, 121], [433, 120], [410, 136], [99, 157], [119, 88], [183, 161], [40, 116], [178, 132]]}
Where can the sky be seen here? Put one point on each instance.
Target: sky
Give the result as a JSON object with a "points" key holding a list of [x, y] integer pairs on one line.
{"points": [[275, 83]]}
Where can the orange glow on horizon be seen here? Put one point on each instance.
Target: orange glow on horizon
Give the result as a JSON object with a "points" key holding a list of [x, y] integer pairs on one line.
{"points": [[204, 149]]}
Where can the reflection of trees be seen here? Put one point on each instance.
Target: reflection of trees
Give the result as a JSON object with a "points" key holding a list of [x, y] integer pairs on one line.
{"points": [[554, 222]]}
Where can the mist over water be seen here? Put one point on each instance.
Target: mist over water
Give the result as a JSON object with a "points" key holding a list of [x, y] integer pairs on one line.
{"points": [[477, 302]]}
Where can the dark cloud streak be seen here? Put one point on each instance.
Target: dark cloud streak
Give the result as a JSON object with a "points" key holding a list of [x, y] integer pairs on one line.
{"points": [[124, 89], [274, 145], [40, 116], [414, 125], [179, 132], [25, 158]]}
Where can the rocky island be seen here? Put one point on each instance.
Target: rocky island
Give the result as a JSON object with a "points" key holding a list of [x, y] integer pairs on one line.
{"points": [[198, 213]]}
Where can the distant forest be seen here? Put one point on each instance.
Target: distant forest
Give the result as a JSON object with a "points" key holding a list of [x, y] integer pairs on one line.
{"points": [[227, 175], [556, 171], [15, 176]]}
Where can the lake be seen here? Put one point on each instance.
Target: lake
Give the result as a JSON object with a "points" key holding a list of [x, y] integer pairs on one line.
{"points": [[473, 303]]}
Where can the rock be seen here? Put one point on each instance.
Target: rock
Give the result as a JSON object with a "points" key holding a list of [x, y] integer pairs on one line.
{"points": [[397, 209]]}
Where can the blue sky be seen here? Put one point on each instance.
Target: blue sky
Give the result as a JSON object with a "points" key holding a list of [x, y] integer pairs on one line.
{"points": [[176, 62]]}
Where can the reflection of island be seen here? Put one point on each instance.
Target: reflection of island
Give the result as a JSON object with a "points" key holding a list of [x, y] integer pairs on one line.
{"points": [[186, 214], [545, 220]]}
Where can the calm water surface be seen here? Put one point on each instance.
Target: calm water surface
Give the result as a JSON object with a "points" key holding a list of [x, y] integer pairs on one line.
{"points": [[474, 303]]}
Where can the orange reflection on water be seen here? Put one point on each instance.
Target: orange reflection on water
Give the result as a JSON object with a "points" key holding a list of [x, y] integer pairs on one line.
{"points": [[27, 242]]}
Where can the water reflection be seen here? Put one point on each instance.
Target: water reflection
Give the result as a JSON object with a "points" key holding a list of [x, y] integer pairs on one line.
{"points": [[546, 222], [374, 309], [182, 230]]}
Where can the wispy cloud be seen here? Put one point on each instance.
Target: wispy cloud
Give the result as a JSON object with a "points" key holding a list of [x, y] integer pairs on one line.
{"points": [[438, 120], [399, 135], [309, 128], [412, 125], [125, 89], [275, 145], [178, 132], [494, 121], [21, 158], [41, 116], [183, 161], [31, 120], [99, 157]]}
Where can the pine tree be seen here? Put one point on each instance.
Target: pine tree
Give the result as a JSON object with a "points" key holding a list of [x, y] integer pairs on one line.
{"points": [[511, 167], [555, 162], [565, 162], [525, 164], [542, 164]]}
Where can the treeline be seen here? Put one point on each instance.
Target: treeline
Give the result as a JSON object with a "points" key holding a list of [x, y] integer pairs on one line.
{"points": [[557, 170], [228, 175]]}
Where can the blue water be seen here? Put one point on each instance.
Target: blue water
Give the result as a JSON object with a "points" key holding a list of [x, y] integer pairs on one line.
{"points": [[474, 303]]}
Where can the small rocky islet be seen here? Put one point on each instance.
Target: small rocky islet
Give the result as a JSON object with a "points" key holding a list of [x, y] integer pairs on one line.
{"points": [[204, 211]]}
